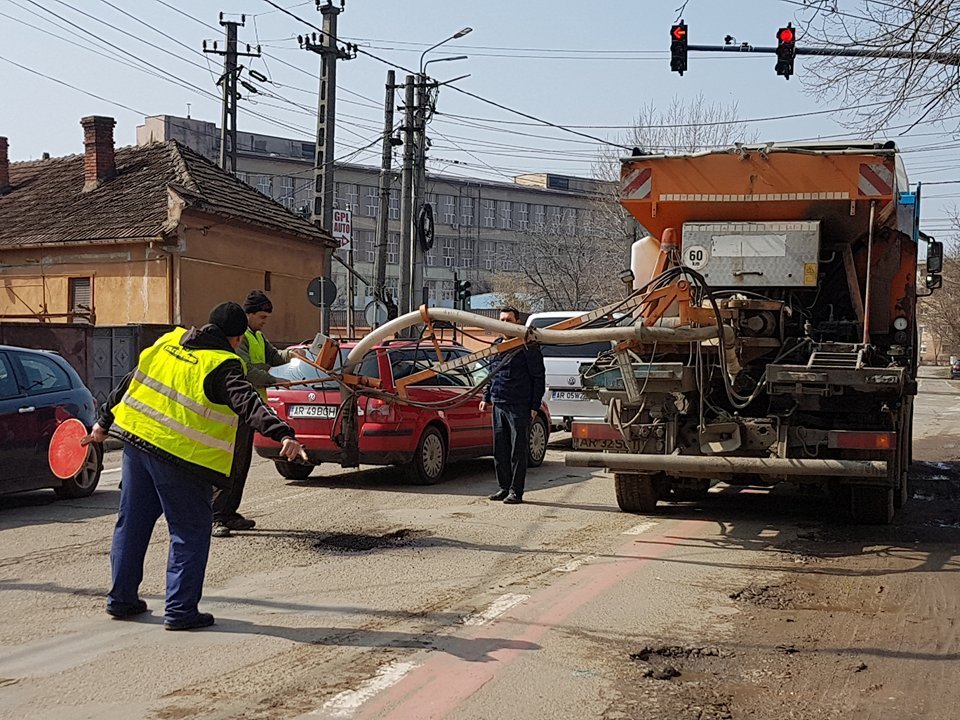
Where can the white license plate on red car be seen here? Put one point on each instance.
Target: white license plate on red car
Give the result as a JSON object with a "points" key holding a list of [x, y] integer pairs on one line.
{"points": [[566, 395], [324, 412]]}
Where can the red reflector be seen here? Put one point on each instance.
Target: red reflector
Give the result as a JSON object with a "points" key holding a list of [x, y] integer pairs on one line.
{"points": [[595, 431], [859, 440]]}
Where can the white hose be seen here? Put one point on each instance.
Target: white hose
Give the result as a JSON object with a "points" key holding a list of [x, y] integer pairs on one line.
{"points": [[541, 336]]}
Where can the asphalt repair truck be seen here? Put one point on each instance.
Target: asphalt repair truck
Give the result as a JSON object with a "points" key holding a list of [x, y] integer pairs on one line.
{"points": [[805, 259]]}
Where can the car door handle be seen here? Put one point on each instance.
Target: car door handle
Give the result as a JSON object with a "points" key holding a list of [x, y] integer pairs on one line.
{"points": [[25, 410]]}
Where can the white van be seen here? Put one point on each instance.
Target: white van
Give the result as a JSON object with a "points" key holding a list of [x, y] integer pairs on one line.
{"points": [[564, 394]]}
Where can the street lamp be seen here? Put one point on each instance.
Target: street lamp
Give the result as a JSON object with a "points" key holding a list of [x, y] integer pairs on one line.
{"points": [[456, 36], [442, 59]]}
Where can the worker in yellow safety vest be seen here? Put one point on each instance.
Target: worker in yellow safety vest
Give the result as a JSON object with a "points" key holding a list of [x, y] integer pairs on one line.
{"points": [[259, 356], [178, 414]]}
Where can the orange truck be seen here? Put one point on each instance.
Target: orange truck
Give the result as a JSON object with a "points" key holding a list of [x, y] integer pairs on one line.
{"points": [[808, 255]]}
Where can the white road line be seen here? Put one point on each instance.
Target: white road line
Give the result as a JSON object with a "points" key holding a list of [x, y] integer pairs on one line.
{"points": [[574, 564], [348, 702], [497, 608], [111, 470], [641, 528]]}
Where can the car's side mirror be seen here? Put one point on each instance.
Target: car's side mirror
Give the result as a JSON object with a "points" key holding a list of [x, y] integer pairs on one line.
{"points": [[934, 257]]}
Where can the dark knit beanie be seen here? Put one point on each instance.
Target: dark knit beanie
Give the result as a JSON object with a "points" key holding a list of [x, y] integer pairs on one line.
{"points": [[230, 318], [257, 302]]}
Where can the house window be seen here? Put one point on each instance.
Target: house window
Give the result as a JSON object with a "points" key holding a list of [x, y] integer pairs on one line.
{"points": [[538, 218], [80, 291], [393, 248], [449, 252], [466, 252], [265, 184], [394, 204], [287, 191], [523, 215], [372, 204], [488, 208], [267, 278], [466, 211], [449, 209], [506, 217]]}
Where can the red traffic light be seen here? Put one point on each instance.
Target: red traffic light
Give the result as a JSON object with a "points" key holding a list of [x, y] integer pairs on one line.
{"points": [[786, 35], [679, 32]]}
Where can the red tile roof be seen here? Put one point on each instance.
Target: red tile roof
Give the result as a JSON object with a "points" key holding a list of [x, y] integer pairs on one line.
{"points": [[47, 205]]}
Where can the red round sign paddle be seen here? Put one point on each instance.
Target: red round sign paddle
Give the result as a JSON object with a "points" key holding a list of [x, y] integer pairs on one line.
{"points": [[66, 455]]}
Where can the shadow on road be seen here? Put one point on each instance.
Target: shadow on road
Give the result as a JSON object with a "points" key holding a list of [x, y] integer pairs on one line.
{"points": [[40, 507]]}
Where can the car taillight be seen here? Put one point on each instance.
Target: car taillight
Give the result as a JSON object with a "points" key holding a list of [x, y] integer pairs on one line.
{"points": [[381, 411]]}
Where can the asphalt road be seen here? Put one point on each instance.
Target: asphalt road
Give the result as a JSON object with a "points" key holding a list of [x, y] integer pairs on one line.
{"points": [[357, 596]]}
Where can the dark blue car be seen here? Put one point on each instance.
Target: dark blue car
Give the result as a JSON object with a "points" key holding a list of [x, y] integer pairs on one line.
{"points": [[38, 391]]}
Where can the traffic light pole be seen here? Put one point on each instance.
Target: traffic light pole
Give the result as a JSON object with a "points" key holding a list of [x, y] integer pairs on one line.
{"points": [[943, 58]]}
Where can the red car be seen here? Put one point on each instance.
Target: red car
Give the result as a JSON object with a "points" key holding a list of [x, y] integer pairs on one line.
{"points": [[422, 440]]}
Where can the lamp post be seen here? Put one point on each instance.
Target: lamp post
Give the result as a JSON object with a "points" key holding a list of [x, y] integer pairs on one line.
{"points": [[419, 181]]}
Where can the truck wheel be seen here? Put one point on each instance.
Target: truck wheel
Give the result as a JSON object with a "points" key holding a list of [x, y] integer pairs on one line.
{"points": [[636, 493], [871, 505], [430, 460], [292, 470]]}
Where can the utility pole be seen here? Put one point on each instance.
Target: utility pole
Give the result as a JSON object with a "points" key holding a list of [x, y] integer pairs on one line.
{"points": [[324, 169], [228, 82], [406, 200], [419, 186], [386, 179]]}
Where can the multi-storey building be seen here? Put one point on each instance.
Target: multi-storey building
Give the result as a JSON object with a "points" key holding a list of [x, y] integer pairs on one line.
{"points": [[479, 223]]}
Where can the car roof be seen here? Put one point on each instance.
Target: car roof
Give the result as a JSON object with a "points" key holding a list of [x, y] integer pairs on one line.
{"points": [[35, 351]]}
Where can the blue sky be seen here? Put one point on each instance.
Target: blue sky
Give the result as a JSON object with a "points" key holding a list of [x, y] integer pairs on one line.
{"points": [[571, 63]]}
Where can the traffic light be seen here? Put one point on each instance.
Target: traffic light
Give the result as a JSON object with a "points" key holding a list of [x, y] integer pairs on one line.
{"points": [[678, 47], [786, 50], [463, 293]]}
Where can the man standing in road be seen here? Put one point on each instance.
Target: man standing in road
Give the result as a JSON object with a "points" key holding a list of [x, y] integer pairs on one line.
{"points": [[259, 356], [178, 415], [516, 392]]}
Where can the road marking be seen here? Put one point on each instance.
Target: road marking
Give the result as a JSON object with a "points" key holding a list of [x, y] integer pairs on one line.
{"points": [[574, 564], [111, 470], [641, 528], [497, 608], [348, 702]]}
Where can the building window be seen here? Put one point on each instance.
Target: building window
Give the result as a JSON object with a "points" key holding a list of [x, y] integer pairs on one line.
{"points": [[431, 256], [287, 191], [308, 150], [466, 211], [393, 248], [505, 257], [506, 216], [449, 253], [242, 177], [570, 221], [554, 218], [267, 281], [489, 255], [260, 146], [394, 204], [538, 218], [449, 209], [370, 244], [488, 208], [523, 215], [265, 184], [371, 201], [466, 252], [80, 291], [346, 196]]}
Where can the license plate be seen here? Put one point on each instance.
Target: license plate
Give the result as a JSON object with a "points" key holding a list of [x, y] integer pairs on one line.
{"points": [[599, 444], [566, 395], [326, 412]]}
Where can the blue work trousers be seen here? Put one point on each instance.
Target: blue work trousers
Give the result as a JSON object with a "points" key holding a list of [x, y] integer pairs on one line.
{"points": [[511, 445], [152, 487]]}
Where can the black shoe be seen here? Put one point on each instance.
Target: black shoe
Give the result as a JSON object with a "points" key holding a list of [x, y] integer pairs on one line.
{"points": [[201, 620], [240, 523], [500, 495], [122, 612], [220, 530], [513, 499]]}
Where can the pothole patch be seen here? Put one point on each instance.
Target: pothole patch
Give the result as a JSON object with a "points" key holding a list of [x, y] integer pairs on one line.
{"points": [[364, 542], [772, 597], [672, 661]]}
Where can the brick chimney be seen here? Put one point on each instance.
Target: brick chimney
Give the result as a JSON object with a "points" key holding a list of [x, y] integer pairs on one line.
{"points": [[99, 164], [4, 166]]}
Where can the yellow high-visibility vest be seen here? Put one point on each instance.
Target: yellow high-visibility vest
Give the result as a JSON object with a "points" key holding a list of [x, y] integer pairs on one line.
{"points": [[257, 347], [165, 404]]}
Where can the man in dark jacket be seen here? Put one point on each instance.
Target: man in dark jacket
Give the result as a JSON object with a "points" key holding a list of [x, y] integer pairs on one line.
{"points": [[258, 356], [516, 392], [177, 414]]}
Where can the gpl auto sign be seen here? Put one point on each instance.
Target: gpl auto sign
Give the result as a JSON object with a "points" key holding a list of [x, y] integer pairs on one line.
{"points": [[342, 226]]}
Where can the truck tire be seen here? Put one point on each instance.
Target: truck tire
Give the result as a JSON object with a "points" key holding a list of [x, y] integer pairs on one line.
{"points": [[292, 470], [636, 493], [871, 505]]}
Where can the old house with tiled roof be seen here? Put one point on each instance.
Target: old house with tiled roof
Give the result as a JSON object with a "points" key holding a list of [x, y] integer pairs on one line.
{"points": [[154, 234]]}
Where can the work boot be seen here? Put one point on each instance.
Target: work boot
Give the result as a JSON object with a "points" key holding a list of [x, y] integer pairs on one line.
{"points": [[221, 530], [513, 499], [122, 612], [201, 620], [500, 495], [240, 523]]}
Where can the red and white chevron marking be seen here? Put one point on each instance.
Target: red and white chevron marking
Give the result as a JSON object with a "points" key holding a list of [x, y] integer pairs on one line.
{"points": [[875, 179], [636, 184]]}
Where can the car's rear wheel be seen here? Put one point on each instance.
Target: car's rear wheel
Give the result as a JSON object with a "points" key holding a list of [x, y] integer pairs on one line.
{"points": [[292, 470], [539, 436], [431, 458], [84, 482]]}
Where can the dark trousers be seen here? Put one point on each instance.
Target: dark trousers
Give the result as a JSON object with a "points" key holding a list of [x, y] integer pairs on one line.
{"points": [[511, 445], [226, 500], [152, 487]]}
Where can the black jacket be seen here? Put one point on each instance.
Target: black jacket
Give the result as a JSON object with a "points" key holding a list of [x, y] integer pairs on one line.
{"points": [[226, 386], [519, 378]]}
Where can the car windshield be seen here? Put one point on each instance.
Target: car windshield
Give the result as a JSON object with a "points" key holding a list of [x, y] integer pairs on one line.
{"points": [[297, 369], [408, 361]]}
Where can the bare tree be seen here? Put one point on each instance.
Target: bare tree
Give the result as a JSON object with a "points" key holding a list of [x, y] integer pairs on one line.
{"points": [[938, 312], [921, 87]]}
